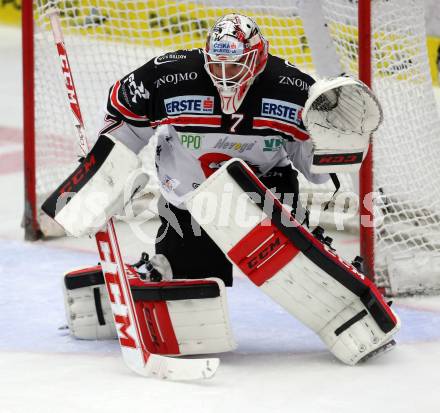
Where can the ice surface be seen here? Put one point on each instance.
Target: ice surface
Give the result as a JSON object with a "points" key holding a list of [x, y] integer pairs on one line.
{"points": [[279, 366]]}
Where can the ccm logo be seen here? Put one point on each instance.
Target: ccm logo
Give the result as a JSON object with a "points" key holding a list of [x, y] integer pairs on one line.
{"points": [[67, 76], [267, 250], [69, 81], [78, 175], [346, 158], [115, 291]]}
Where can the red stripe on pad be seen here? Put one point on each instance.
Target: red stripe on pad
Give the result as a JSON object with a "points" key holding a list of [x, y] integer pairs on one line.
{"points": [[262, 252], [156, 327]]}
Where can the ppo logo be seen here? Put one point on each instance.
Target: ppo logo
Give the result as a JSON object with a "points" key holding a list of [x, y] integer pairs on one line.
{"points": [[115, 290]]}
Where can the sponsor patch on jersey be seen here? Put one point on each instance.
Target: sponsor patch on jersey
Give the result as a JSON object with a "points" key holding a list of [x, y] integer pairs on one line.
{"points": [[168, 58], [170, 184], [175, 78], [234, 146], [191, 140], [273, 144], [280, 109], [293, 81], [137, 91], [189, 104]]}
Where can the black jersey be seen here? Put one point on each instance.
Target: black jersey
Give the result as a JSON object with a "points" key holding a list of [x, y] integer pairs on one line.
{"points": [[173, 96]]}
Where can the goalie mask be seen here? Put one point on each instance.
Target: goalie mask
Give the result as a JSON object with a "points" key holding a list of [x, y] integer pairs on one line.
{"points": [[235, 54]]}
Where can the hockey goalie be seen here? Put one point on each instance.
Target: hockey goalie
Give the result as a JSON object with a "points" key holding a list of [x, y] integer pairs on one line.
{"points": [[232, 135]]}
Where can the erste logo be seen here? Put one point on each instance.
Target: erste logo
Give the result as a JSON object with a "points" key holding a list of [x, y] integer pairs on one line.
{"points": [[280, 109], [189, 104]]}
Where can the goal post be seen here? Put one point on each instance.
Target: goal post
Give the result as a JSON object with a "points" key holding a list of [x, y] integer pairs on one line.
{"points": [[30, 220], [398, 195], [366, 232]]}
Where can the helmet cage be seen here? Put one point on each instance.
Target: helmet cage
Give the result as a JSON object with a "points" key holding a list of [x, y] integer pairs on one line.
{"points": [[235, 54], [231, 78]]}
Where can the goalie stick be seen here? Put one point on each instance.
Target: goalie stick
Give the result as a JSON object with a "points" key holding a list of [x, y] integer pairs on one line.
{"points": [[134, 351]]}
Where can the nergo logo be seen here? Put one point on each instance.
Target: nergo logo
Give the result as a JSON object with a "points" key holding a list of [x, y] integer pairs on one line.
{"points": [[234, 146]]}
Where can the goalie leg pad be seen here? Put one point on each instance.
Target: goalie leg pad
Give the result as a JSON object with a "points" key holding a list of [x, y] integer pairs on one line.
{"points": [[183, 317], [177, 317], [95, 191], [88, 312], [306, 277]]}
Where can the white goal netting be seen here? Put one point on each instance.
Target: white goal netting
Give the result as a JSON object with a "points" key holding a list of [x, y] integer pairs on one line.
{"points": [[406, 153]]}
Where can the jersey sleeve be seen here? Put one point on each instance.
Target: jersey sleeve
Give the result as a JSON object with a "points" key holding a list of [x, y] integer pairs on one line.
{"points": [[301, 155], [289, 91], [129, 98], [129, 108], [296, 85]]}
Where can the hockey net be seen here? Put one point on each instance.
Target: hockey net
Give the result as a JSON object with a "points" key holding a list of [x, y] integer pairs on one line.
{"points": [[108, 38]]}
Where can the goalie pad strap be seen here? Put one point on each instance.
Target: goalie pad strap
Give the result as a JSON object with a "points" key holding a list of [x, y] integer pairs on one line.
{"points": [[359, 316], [89, 277], [337, 184], [357, 283], [84, 278], [98, 305], [177, 291]]}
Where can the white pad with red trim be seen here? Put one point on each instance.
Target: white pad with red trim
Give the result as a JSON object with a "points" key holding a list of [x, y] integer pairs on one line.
{"points": [[176, 317], [308, 279], [95, 191], [183, 317], [340, 114], [88, 312]]}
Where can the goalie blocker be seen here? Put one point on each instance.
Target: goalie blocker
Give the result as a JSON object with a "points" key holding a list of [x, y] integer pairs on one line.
{"points": [[95, 191], [289, 264], [179, 317]]}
